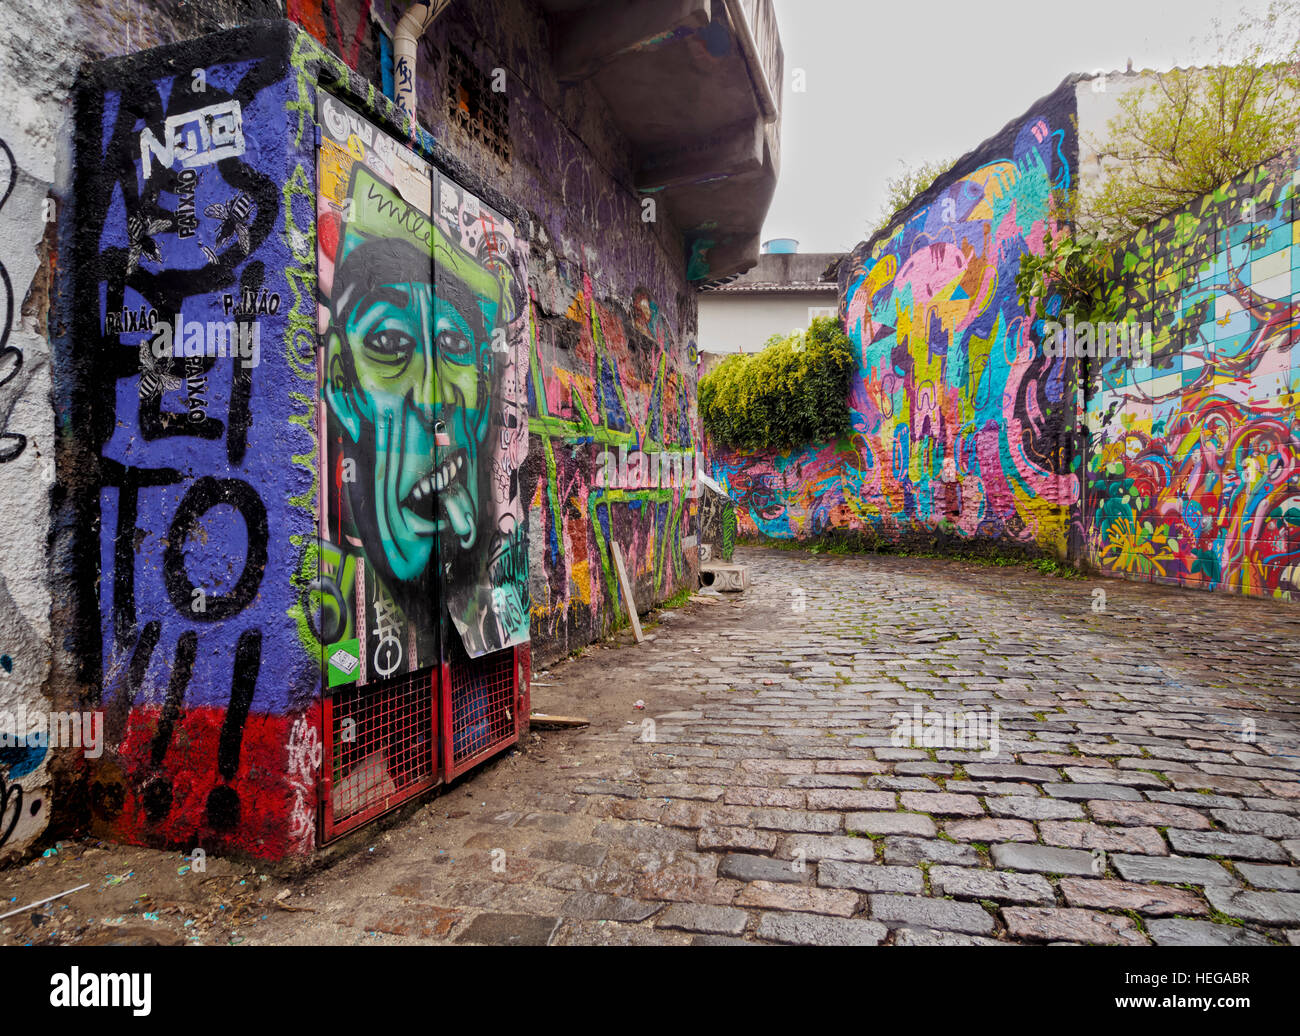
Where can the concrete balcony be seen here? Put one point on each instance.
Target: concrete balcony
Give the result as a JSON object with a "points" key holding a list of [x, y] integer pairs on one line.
{"points": [[695, 85]]}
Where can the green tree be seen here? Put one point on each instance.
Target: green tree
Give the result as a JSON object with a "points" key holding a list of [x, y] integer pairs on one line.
{"points": [[1195, 129], [793, 392], [902, 189]]}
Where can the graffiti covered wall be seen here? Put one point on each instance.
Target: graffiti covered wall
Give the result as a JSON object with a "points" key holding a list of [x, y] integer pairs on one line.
{"points": [[961, 426], [612, 319], [1194, 461], [192, 411]]}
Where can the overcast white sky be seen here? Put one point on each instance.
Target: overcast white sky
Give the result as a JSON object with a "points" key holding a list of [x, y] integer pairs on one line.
{"points": [[924, 80]]}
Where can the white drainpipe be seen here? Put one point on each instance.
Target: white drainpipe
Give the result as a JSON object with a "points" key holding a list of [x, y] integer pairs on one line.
{"points": [[406, 36]]}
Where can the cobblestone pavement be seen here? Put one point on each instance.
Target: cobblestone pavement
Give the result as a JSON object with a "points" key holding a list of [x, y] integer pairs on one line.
{"points": [[1146, 787]]}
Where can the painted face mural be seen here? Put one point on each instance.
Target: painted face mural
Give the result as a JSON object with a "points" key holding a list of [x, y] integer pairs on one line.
{"points": [[418, 335], [409, 380]]}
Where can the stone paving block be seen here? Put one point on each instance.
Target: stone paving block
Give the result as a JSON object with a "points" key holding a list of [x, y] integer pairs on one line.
{"points": [[827, 847], [988, 829], [1074, 834], [781, 798], [891, 824], [592, 906], [942, 804], [924, 912], [818, 930], [929, 937], [1271, 825], [701, 792], [491, 929], [1224, 785], [1178, 932], [1194, 799], [739, 838], [823, 781], [1085, 792], [992, 788], [794, 820], [974, 883], [698, 917], [841, 799], [1147, 814], [1265, 876], [1041, 858], [1292, 848], [909, 851], [1036, 809], [869, 877], [1264, 907], [744, 867], [1011, 772], [1175, 870], [618, 788], [1066, 924], [1149, 900], [1221, 843], [1127, 778], [772, 896], [919, 784]]}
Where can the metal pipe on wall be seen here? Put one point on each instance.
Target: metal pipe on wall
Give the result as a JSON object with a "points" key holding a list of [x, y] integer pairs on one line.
{"points": [[414, 23]]}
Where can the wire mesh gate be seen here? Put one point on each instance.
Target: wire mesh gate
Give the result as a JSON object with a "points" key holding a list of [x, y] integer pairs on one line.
{"points": [[390, 741]]}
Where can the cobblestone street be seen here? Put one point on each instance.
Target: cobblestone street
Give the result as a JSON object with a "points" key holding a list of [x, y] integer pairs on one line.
{"points": [[1146, 787]]}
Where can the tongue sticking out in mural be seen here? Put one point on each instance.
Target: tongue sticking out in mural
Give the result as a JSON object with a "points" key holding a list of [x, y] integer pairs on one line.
{"points": [[419, 330]]}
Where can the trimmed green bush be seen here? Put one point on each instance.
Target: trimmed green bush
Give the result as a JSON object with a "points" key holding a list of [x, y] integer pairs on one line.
{"points": [[792, 393]]}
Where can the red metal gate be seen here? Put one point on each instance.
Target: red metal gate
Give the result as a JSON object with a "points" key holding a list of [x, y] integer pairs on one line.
{"points": [[390, 741]]}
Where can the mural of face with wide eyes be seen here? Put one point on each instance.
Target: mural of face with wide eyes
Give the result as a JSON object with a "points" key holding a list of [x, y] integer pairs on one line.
{"points": [[409, 365]]}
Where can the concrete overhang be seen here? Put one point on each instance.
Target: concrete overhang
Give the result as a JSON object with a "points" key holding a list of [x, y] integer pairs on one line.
{"points": [[695, 87]]}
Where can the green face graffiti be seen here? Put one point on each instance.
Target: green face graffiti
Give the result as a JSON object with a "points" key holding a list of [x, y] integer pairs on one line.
{"points": [[409, 381]]}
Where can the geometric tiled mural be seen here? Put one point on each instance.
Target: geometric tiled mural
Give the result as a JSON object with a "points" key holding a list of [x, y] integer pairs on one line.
{"points": [[1194, 461]]}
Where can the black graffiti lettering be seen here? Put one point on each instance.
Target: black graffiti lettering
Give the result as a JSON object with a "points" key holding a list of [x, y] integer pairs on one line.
{"points": [[223, 800], [11, 359], [129, 482], [182, 669], [200, 498]]}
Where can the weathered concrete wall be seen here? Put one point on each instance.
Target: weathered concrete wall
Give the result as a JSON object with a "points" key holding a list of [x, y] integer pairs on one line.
{"points": [[961, 426], [1193, 461]]}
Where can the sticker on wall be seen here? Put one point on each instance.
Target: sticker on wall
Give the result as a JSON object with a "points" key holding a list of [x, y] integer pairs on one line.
{"points": [[344, 662]]}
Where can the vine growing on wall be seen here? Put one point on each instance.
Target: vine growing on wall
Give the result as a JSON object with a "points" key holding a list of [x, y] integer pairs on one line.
{"points": [[1071, 277], [793, 392]]}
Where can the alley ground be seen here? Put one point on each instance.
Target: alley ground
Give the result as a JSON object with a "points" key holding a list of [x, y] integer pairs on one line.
{"points": [[1146, 789]]}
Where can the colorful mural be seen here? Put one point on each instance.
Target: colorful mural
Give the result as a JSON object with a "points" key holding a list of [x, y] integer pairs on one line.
{"points": [[603, 380], [960, 423], [424, 326], [192, 443], [1194, 461]]}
